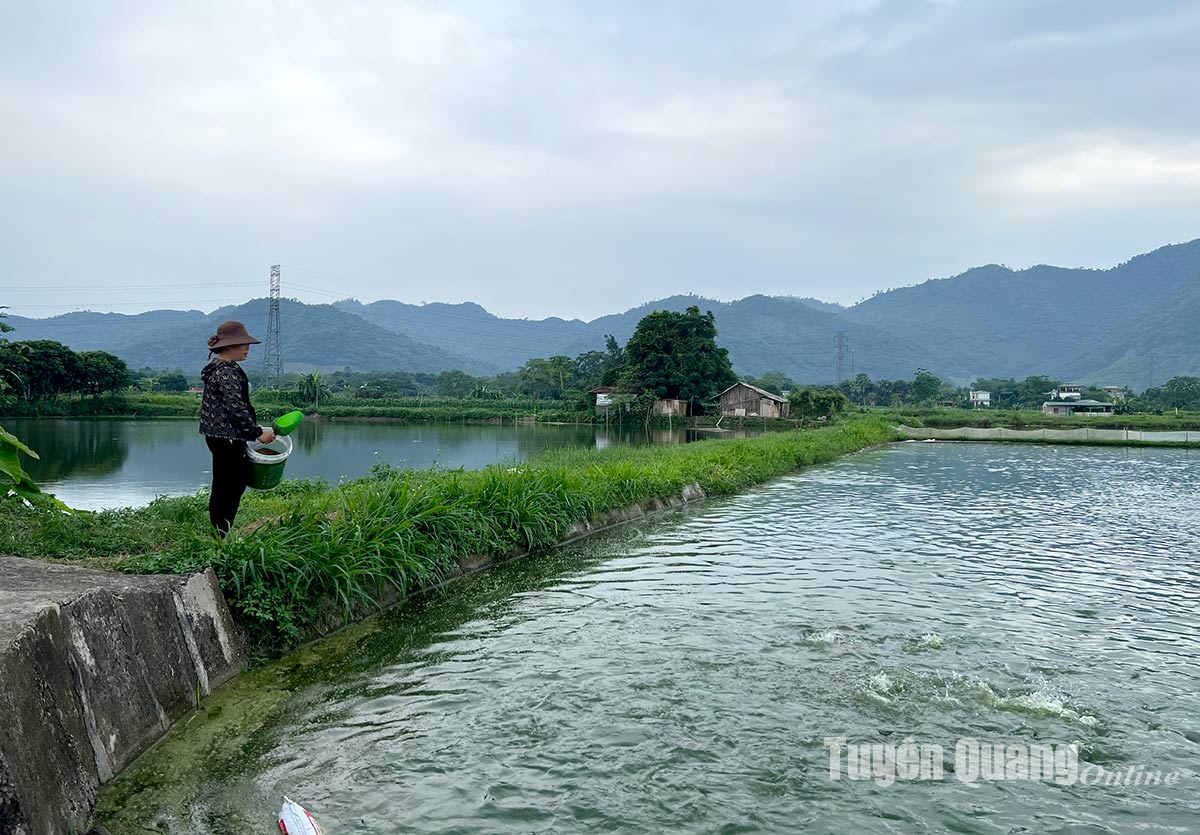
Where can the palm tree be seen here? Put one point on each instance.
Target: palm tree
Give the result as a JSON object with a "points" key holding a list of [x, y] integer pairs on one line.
{"points": [[312, 387]]}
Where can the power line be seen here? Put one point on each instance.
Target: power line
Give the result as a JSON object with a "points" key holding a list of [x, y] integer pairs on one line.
{"points": [[189, 286], [339, 296], [17, 307]]}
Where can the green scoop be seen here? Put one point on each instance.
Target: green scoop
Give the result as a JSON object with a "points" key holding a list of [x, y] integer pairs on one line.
{"points": [[284, 424]]}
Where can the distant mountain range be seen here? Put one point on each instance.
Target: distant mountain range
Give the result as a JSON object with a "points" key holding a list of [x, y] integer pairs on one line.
{"points": [[1136, 324], [313, 336]]}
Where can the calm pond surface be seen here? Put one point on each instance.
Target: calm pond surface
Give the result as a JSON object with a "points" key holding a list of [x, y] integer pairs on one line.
{"points": [[94, 464], [682, 674]]}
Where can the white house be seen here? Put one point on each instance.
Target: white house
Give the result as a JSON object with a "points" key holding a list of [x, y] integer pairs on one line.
{"points": [[1067, 392], [981, 399]]}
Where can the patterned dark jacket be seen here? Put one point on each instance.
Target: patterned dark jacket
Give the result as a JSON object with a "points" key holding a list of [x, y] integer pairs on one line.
{"points": [[225, 411]]}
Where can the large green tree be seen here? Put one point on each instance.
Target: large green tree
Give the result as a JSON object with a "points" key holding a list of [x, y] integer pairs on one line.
{"points": [[675, 355], [1033, 391], [812, 402], [42, 368], [174, 382], [1175, 393], [925, 386], [101, 372], [455, 383]]}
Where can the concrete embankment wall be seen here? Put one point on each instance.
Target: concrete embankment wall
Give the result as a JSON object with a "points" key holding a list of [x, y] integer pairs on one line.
{"points": [[1083, 434], [94, 668]]}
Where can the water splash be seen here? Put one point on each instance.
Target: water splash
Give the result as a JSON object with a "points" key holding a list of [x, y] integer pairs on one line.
{"points": [[826, 638]]}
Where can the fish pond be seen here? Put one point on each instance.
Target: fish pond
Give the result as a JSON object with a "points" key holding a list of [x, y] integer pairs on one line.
{"points": [[96, 463], [711, 669]]}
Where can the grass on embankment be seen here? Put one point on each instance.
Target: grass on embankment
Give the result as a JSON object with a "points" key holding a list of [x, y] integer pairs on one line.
{"points": [[947, 418], [305, 543]]}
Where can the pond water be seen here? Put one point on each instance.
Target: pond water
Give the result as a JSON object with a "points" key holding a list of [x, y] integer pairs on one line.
{"points": [[683, 674], [94, 464]]}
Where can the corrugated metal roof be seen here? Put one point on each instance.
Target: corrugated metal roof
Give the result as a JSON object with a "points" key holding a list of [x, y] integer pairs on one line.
{"points": [[763, 392]]}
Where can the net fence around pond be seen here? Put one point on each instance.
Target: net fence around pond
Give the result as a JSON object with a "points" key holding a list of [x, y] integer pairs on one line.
{"points": [[975, 433]]}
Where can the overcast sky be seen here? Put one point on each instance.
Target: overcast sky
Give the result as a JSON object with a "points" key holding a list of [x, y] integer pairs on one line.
{"points": [[578, 158]]}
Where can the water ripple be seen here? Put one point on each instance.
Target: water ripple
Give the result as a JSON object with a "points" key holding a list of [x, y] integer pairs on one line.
{"points": [[680, 675]]}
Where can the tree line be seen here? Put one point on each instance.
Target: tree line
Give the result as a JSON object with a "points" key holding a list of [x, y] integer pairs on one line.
{"points": [[1177, 393], [41, 369], [927, 389]]}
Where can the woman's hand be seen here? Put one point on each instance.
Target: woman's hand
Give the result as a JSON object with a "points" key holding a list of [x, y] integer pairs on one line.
{"points": [[267, 436]]}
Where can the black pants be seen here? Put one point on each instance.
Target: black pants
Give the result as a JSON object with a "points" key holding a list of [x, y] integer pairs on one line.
{"points": [[231, 475]]}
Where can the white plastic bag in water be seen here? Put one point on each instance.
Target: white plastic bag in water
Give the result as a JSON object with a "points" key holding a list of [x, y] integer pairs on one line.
{"points": [[294, 819]]}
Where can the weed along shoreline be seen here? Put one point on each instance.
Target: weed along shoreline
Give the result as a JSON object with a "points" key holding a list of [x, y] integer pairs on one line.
{"points": [[305, 561]]}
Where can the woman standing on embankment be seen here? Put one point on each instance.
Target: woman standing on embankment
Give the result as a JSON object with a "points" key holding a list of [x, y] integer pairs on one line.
{"points": [[228, 421]]}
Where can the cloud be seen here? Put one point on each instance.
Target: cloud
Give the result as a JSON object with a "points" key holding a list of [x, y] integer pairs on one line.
{"points": [[1097, 169], [488, 149]]}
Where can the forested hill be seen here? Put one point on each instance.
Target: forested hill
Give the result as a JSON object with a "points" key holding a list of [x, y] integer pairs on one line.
{"points": [[1135, 324], [469, 329], [314, 336], [762, 334]]}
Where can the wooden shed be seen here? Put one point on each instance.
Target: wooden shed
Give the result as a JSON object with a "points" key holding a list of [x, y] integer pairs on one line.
{"points": [[670, 408], [746, 400]]}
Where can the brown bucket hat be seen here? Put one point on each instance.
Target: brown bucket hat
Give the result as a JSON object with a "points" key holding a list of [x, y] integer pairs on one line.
{"points": [[231, 333]]}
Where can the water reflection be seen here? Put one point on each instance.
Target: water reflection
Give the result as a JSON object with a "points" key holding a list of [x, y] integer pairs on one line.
{"points": [[606, 436], [93, 464], [88, 448]]}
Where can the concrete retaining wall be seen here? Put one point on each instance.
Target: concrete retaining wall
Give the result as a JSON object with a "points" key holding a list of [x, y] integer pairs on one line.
{"points": [[94, 667]]}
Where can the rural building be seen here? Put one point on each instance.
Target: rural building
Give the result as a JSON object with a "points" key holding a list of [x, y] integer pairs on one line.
{"points": [[1116, 392], [746, 400], [604, 397], [1071, 392], [671, 408], [981, 399], [608, 398], [1076, 406]]}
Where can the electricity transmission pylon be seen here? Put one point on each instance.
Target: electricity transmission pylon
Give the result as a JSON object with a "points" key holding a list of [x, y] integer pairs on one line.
{"points": [[273, 354]]}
